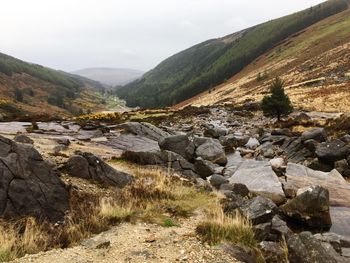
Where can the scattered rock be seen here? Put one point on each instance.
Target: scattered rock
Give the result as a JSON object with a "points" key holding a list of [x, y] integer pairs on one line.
{"points": [[259, 177], [215, 132], [259, 210], [310, 207], [304, 248], [252, 144], [23, 139], [88, 166], [177, 144], [216, 180], [211, 150], [205, 168], [273, 252], [330, 152], [318, 134], [28, 186], [144, 129]]}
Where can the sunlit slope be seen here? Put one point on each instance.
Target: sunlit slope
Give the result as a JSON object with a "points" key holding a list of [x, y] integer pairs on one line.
{"points": [[315, 65], [208, 64]]}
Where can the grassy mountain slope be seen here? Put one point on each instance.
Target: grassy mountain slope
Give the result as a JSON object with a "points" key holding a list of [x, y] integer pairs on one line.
{"points": [[33, 90], [110, 76], [210, 63], [315, 65]]}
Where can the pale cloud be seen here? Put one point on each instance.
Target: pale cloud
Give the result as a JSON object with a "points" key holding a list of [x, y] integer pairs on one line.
{"points": [[73, 34]]}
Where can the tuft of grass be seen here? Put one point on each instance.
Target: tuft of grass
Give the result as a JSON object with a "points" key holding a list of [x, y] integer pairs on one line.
{"points": [[24, 237], [169, 223], [219, 227], [114, 212]]}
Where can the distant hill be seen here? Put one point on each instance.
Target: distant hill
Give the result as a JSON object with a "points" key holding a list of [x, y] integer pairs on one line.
{"points": [[28, 90], [314, 64], [213, 62], [110, 76]]}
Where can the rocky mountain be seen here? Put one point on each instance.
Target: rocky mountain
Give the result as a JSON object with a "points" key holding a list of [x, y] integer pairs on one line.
{"points": [[213, 62], [314, 64], [110, 76], [28, 90]]}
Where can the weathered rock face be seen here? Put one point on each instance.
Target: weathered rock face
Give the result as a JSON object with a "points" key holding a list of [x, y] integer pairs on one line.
{"points": [[144, 129], [333, 151], [211, 150], [318, 134], [259, 177], [177, 144], [28, 186], [304, 248], [296, 150], [301, 171], [88, 166], [310, 207]]}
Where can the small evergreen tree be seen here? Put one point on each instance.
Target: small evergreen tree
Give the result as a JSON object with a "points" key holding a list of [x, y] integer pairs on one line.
{"points": [[278, 103]]}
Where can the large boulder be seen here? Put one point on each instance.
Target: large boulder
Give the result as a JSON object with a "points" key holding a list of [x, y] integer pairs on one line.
{"points": [[88, 166], [259, 177], [310, 207], [304, 248], [302, 171], [258, 210], [179, 144], [28, 185], [296, 150], [318, 134], [330, 152], [144, 129], [211, 150]]}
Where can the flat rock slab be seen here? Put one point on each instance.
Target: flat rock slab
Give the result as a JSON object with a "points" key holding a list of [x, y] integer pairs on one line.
{"points": [[133, 143], [259, 177], [14, 127]]}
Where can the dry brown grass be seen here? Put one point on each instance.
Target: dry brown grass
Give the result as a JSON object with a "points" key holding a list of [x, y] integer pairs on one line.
{"points": [[23, 237], [219, 227]]}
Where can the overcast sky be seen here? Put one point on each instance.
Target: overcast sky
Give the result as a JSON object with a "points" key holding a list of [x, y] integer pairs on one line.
{"points": [[75, 34]]}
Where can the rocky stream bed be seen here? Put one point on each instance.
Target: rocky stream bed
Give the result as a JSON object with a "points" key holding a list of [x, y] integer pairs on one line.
{"points": [[291, 184]]}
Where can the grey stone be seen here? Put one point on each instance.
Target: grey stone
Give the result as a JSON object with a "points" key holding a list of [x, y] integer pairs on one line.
{"points": [[176, 143], [310, 207], [23, 139], [259, 210], [28, 185], [205, 168], [211, 150], [330, 152], [259, 177], [144, 129], [304, 248], [216, 180], [318, 134], [252, 144], [215, 132], [272, 252], [88, 166]]}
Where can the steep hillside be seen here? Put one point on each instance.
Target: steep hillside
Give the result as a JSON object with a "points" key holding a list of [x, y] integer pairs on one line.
{"points": [[315, 65], [110, 76], [210, 63], [29, 90]]}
